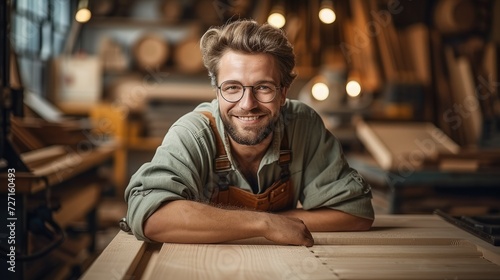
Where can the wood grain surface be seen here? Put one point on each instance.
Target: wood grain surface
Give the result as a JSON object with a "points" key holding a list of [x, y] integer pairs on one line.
{"points": [[397, 247]]}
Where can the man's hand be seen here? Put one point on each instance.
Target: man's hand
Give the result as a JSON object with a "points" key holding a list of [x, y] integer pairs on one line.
{"points": [[287, 230]]}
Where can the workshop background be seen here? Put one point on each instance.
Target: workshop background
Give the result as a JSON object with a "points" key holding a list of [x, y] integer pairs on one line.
{"points": [[90, 87]]}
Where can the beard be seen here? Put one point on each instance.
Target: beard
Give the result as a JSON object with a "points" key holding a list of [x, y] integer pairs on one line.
{"points": [[249, 135]]}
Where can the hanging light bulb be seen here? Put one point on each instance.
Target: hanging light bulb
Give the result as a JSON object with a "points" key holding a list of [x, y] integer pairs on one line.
{"points": [[83, 13], [277, 16], [353, 88], [320, 91], [326, 13]]}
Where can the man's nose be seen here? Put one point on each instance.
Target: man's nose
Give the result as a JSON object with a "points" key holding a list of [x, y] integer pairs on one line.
{"points": [[248, 100]]}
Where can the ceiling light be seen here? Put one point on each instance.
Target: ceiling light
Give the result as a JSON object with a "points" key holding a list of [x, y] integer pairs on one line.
{"points": [[277, 17], [353, 88], [83, 13], [320, 91], [326, 14]]}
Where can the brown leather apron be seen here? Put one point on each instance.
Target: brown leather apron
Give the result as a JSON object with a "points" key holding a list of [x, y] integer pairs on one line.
{"points": [[279, 196]]}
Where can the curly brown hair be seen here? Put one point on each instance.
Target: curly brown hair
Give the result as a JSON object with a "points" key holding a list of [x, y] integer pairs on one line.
{"points": [[248, 36]]}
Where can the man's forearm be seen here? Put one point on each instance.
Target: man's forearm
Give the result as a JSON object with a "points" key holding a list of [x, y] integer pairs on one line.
{"points": [[325, 219], [185, 221], [191, 222]]}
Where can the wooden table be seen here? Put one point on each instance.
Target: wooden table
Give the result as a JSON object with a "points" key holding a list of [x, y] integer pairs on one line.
{"points": [[397, 247]]}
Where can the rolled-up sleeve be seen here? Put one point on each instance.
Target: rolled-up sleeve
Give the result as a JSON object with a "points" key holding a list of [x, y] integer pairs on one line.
{"points": [[176, 171], [350, 194], [327, 180]]}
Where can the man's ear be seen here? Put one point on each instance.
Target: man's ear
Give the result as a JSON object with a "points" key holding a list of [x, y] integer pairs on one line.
{"points": [[283, 94]]}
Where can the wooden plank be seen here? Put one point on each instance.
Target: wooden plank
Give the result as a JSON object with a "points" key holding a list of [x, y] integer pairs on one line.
{"points": [[410, 275], [150, 265], [406, 150], [376, 240], [364, 57], [378, 234], [417, 41], [375, 261], [60, 170], [407, 261], [23, 136], [463, 268], [414, 221], [189, 261], [72, 164], [394, 45], [118, 260], [386, 52], [427, 229], [40, 156], [463, 90], [392, 251], [441, 87]]}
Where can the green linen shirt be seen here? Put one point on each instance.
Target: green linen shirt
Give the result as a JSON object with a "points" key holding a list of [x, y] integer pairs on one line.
{"points": [[183, 168]]}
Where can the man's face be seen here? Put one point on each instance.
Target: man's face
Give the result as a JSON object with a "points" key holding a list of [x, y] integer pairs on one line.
{"points": [[248, 121]]}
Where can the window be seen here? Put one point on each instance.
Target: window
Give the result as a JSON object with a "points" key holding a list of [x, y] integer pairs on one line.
{"points": [[37, 34]]}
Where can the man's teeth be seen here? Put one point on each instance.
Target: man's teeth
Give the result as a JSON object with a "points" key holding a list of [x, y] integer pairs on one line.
{"points": [[248, 118]]}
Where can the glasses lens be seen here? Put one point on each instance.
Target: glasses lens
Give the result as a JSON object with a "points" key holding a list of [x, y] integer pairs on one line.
{"points": [[231, 91], [264, 92]]}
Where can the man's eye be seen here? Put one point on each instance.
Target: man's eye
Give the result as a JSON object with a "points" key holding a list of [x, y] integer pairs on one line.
{"points": [[232, 88], [263, 88]]}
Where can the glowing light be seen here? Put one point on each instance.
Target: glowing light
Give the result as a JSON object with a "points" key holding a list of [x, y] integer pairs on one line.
{"points": [[277, 20], [353, 88], [83, 15], [327, 15], [320, 91]]}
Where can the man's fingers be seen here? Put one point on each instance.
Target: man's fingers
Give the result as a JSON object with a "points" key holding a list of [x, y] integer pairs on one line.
{"points": [[294, 231]]}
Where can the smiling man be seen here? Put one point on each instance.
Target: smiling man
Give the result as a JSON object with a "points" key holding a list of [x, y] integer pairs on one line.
{"points": [[238, 167]]}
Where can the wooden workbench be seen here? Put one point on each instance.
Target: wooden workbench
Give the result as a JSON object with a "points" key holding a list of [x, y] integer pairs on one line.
{"points": [[397, 247]]}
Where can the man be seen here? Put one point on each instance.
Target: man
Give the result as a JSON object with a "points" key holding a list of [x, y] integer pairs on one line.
{"points": [[236, 168]]}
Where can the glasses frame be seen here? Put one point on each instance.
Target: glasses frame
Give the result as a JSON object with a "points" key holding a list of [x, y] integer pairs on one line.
{"points": [[276, 89]]}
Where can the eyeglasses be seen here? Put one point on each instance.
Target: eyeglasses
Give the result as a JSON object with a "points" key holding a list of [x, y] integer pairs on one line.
{"points": [[233, 91]]}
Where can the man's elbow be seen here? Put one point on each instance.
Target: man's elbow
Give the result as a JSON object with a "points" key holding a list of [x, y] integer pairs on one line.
{"points": [[362, 224], [149, 229]]}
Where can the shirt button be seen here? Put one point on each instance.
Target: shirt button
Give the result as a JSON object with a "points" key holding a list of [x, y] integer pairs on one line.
{"points": [[357, 177]]}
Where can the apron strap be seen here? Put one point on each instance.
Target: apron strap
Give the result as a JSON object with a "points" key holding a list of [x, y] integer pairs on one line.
{"points": [[221, 161]]}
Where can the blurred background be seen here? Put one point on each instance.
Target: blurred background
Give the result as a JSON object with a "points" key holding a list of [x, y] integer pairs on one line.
{"points": [[89, 89]]}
